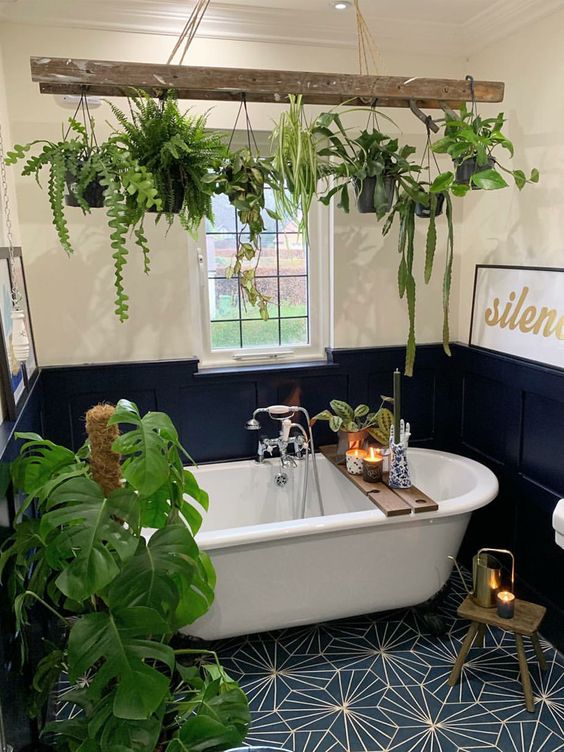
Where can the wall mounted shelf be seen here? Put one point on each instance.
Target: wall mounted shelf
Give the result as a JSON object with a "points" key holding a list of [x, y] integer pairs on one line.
{"points": [[114, 79]]}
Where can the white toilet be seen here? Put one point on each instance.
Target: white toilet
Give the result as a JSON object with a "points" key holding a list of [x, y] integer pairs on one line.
{"points": [[558, 523]]}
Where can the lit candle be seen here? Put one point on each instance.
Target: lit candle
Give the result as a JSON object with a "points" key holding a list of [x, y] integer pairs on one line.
{"points": [[372, 466], [505, 604], [354, 459], [397, 405]]}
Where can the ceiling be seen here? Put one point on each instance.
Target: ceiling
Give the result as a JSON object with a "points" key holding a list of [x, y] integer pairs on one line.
{"points": [[442, 26]]}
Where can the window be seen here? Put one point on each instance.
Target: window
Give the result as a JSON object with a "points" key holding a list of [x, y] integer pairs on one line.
{"points": [[294, 278], [281, 275]]}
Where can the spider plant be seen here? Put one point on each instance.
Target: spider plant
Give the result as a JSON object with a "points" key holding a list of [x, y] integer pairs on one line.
{"points": [[295, 145], [126, 186], [179, 152]]}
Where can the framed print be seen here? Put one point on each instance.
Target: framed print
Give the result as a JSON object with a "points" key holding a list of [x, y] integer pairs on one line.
{"points": [[16, 377], [519, 310]]}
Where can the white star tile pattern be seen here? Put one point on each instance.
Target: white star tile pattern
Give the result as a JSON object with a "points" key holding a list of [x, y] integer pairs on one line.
{"points": [[378, 683]]}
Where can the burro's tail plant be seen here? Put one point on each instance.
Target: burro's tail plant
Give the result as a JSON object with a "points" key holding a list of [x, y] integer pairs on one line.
{"points": [[127, 189], [343, 417], [117, 595]]}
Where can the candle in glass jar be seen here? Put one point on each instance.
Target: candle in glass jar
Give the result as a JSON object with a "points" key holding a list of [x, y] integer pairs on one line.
{"points": [[505, 604], [354, 459], [372, 467]]}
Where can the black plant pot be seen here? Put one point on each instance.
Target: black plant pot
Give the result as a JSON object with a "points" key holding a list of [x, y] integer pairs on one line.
{"points": [[425, 211], [469, 167], [365, 194], [93, 193], [175, 204]]}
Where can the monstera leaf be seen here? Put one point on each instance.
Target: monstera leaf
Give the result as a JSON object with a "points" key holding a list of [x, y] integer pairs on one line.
{"points": [[84, 537], [215, 716], [145, 446], [41, 466], [119, 639], [162, 575]]}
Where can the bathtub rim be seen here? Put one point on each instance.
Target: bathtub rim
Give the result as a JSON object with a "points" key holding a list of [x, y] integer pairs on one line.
{"points": [[466, 503]]}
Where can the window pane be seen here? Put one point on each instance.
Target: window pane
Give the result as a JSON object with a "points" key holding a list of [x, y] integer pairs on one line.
{"points": [[224, 299], [221, 250], [292, 254], [269, 223], [268, 263], [294, 332], [224, 216], [260, 333], [225, 335], [268, 287], [293, 296]]}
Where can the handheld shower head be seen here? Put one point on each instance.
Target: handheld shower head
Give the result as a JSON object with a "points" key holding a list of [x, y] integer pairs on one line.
{"points": [[252, 425]]}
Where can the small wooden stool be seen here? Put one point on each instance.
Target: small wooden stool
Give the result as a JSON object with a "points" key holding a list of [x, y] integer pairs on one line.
{"points": [[525, 623]]}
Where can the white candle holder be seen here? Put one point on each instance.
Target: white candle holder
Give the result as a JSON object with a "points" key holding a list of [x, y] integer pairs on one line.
{"points": [[354, 460]]}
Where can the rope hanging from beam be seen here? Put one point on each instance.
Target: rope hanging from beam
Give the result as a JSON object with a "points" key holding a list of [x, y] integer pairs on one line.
{"points": [[189, 31], [367, 49]]}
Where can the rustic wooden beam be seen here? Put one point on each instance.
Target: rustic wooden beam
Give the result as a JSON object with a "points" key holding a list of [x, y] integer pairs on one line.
{"points": [[111, 78]]}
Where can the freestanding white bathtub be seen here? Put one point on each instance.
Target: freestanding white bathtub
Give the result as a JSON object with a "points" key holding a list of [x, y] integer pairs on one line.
{"points": [[275, 571]]}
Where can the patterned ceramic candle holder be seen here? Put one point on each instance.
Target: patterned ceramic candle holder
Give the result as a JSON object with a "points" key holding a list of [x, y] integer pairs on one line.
{"points": [[399, 469], [355, 458]]}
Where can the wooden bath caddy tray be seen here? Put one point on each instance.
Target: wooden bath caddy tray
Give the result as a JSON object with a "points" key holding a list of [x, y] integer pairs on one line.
{"points": [[393, 502]]}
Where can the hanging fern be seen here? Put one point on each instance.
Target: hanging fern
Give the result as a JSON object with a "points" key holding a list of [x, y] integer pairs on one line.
{"points": [[76, 163], [56, 192], [117, 213], [178, 150]]}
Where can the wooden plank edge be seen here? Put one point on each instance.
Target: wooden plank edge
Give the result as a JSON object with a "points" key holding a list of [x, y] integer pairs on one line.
{"points": [[275, 85], [235, 96]]}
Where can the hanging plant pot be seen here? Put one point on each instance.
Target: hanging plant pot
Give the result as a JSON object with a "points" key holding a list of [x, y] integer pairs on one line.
{"points": [[93, 194], [173, 204], [425, 211], [365, 194], [469, 167]]}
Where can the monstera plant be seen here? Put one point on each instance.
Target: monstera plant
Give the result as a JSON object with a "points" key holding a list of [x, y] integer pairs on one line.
{"points": [[117, 595]]}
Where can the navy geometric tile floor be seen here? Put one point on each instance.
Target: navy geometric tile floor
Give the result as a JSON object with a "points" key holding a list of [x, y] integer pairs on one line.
{"points": [[378, 682]]}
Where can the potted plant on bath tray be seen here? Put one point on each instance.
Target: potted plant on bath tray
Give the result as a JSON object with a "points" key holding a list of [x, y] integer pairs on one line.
{"points": [[354, 426]]}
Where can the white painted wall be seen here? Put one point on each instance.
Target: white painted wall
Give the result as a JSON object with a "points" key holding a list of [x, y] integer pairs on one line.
{"points": [[72, 298], [509, 227]]}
